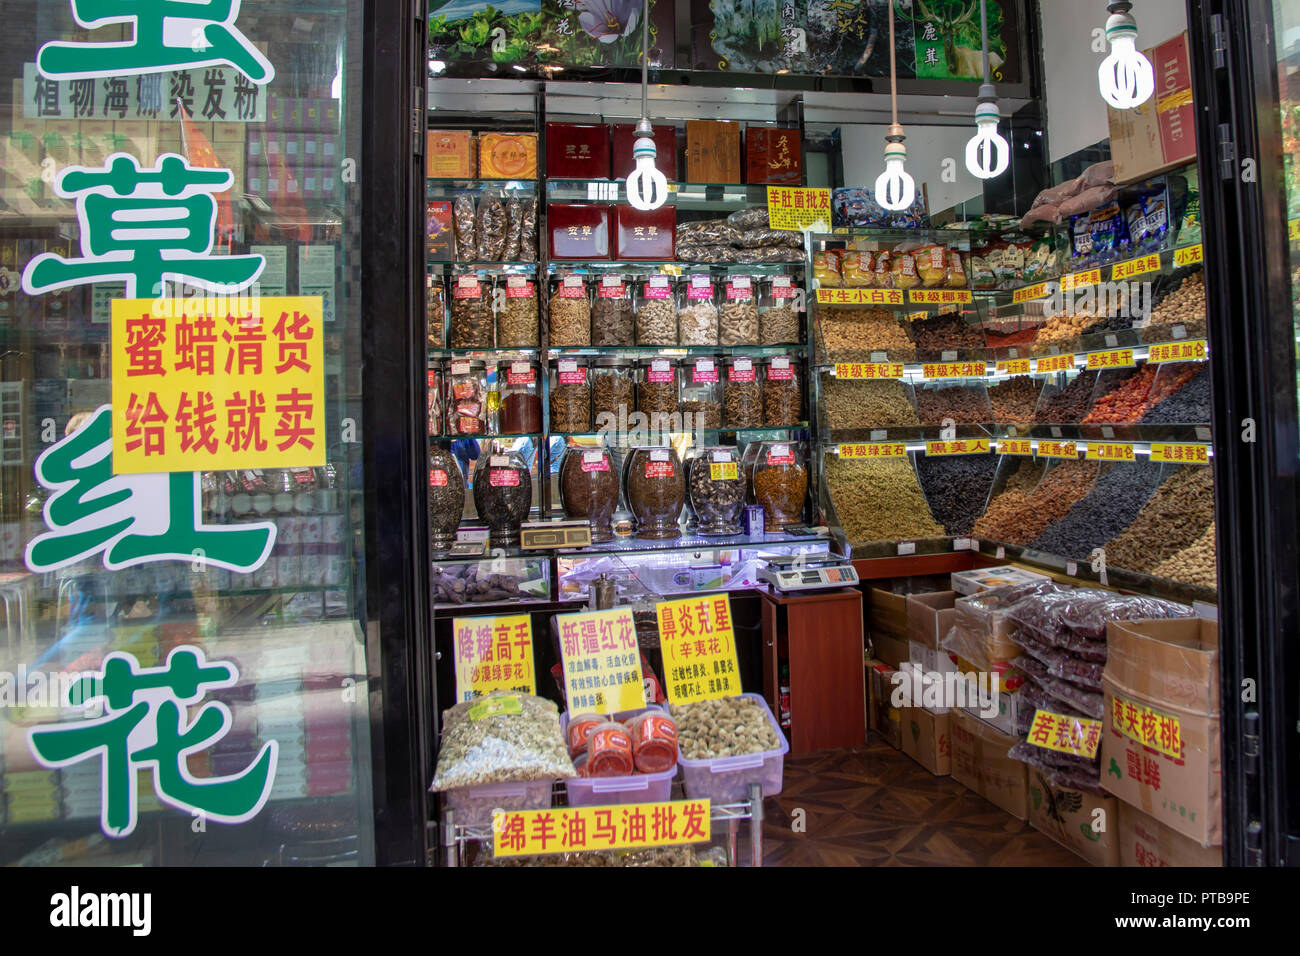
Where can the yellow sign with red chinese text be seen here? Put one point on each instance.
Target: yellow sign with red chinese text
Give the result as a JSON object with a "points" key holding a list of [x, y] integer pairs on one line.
{"points": [[1189, 256], [1013, 367], [1191, 350], [1015, 446], [938, 296], [874, 450], [1079, 280], [1130, 268], [1112, 358], [1057, 449], [1109, 451], [493, 653], [963, 446], [856, 370], [1180, 454], [1068, 735], [201, 386], [860, 296], [1030, 292], [1151, 728], [699, 649], [938, 370], [601, 661], [588, 829], [1053, 363], [794, 209]]}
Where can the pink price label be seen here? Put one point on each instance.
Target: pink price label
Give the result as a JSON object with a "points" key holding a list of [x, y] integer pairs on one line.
{"points": [[437, 478], [700, 288], [524, 291], [594, 461], [657, 287], [573, 378], [704, 371], [503, 478], [467, 287], [782, 288], [740, 289], [660, 372], [571, 288], [780, 373], [658, 469], [520, 376], [608, 291], [742, 370], [780, 455]]}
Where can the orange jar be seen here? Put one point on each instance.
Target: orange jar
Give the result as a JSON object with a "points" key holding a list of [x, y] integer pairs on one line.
{"points": [[654, 742], [580, 729], [609, 751]]}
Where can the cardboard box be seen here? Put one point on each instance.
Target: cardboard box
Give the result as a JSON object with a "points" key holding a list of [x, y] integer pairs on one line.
{"points": [[1008, 703], [981, 579], [1144, 841], [883, 717], [929, 616], [927, 739], [980, 762], [1067, 816], [889, 650], [1160, 134], [449, 154], [1160, 749]]}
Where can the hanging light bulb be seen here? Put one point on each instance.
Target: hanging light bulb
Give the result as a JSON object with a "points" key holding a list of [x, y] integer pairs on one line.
{"points": [[647, 187], [895, 189], [1125, 77], [987, 154]]}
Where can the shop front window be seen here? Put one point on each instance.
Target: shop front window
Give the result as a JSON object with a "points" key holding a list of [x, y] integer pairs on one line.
{"points": [[1286, 20]]}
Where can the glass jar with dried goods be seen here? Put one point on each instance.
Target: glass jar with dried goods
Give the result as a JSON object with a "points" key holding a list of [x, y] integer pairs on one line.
{"points": [[436, 379], [570, 396], [519, 385], [656, 491], [782, 393], [778, 311], [517, 324], [738, 318], [589, 488], [446, 497], [435, 312], [467, 403], [717, 490], [697, 312], [701, 394], [780, 483], [569, 315], [656, 312], [613, 391], [471, 312], [613, 323], [657, 390], [503, 493], [742, 399]]}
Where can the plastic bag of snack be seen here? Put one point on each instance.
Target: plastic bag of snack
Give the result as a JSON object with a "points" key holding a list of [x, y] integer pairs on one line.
{"points": [[982, 273], [1156, 219], [884, 270], [931, 265], [491, 228], [906, 275], [856, 269], [498, 738], [462, 213], [514, 230], [956, 270], [1081, 251], [528, 232], [1011, 264], [754, 217], [827, 268], [1109, 232]]}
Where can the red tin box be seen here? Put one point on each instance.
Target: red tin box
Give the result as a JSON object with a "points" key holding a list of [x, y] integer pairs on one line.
{"points": [[578, 230], [645, 235], [665, 138], [577, 151]]}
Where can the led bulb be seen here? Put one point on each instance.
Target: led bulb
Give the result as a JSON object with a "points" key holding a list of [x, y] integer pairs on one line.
{"points": [[895, 189], [647, 187], [987, 154], [1125, 77]]}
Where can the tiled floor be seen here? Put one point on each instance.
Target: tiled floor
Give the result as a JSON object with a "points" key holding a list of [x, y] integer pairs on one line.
{"points": [[875, 806]]}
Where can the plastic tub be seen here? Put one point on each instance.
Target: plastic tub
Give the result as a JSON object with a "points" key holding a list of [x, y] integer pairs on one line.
{"points": [[609, 791], [726, 779], [473, 806]]}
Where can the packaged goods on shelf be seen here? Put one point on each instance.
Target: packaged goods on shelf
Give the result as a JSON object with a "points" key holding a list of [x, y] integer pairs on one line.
{"points": [[528, 230], [501, 738], [780, 483], [507, 155], [589, 488], [981, 624], [778, 318], [1013, 400], [742, 394], [879, 500], [850, 403], [451, 154], [962, 404], [1190, 404], [712, 151], [624, 138], [570, 395], [1174, 518], [439, 236], [645, 234], [519, 392], [1068, 405], [503, 494], [577, 151], [569, 313], [446, 497], [656, 491], [697, 312], [856, 207], [1196, 564], [943, 333], [782, 393], [957, 488], [579, 231], [1111, 506], [773, 156], [852, 335], [490, 227]]}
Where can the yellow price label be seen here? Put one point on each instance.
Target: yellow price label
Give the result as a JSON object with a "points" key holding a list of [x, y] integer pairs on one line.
{"points": [[588, 829], [1079, 280], [1015, 446], [1112, 358], [493, 653], [874, 450], [1053, 363], [1293, 230], [1192, 350], [1189, 255], [1030, 292], [1013, 367], [1149, 727], [1180, 453], [699, 649], [722, 471], [1057, 449], [939, 370], [962, 446], [601, 661], [1135, 267], [938, 296], [856, 370], [1109, 451], [794, 209], [860, 296], [1068, 735]]}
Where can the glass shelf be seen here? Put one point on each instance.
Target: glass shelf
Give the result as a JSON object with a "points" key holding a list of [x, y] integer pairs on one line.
{"points": [[449, 266], [674, 267], [704, 197], [449, 188], [758, 351]]}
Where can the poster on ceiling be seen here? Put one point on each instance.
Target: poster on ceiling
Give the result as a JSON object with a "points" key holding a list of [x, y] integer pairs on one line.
{"points": [[933, 39], [564, 33]]}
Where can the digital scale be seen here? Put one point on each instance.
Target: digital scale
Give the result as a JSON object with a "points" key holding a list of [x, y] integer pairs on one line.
{"points": [[808, 572]]}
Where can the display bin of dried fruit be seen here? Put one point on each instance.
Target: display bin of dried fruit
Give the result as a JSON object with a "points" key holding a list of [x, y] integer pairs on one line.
{"points": [[1014, 400], [874, 505], [1064, 402], [1178, 307], [948, 336], [865, 410], [867, 334], [957, 488], [953, 402]]}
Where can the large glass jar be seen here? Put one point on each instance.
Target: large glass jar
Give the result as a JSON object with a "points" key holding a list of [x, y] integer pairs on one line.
{"points": [[435, 311], [656, 312], [717, 490], [738, 321], [701, 394], [780, 483], [613, 392], [467, 406], [613, 323], [434, 398], [742, 399], [569, 315], [446, 497], [503, 493], [778, 313], [570, 396], [518, 383], [657, 390], [471, 312], [517, 324], [782, 394], [656, 491], [589, 488], [697, 312]]}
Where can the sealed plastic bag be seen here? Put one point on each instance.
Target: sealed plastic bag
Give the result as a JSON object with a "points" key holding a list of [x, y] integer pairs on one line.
{"points": [[500, 738]]}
